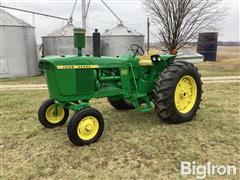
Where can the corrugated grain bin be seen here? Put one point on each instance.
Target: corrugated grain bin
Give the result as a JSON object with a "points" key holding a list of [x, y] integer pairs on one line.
{"points": [[118, 40], [207, 45], [18, 54], [61, 42]]}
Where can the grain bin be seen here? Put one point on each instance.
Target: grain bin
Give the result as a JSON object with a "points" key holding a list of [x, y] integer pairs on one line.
{"points": [[207, 45], [61, 42], [118, 40], [18, 54]]}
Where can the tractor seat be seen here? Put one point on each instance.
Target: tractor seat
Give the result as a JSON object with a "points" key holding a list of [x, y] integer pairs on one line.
{"points": [[145, 60]]}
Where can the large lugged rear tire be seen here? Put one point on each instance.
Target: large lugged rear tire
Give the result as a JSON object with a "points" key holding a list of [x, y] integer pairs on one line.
{"points": [[177, 93], [121, 104]]}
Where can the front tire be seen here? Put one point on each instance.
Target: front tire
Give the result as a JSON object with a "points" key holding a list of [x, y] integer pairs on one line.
{"points": [[48, 116], [85, 127], [177, 93]]}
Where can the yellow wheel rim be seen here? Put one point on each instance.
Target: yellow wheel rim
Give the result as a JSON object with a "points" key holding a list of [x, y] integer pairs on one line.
{"points": [[185, 94], [54, 117], [88, 128]]}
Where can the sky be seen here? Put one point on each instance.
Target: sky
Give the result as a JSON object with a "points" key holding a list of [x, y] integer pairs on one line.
{"points": [[131, 12]]}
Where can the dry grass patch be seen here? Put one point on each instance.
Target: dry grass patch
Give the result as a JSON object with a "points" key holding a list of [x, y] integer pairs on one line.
{"points": [[23, 80], [227, 64], [134, 145]]}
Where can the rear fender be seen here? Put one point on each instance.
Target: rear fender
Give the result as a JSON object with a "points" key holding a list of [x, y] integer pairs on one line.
{"points": [[160, 62], [167, 57]]}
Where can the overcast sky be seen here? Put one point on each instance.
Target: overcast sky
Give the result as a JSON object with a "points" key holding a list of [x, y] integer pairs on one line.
{"points": [[130, 11]]}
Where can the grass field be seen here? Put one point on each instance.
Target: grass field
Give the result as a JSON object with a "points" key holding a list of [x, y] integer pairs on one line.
{"points": [[134, 145], [24, 80], [227, 64]]}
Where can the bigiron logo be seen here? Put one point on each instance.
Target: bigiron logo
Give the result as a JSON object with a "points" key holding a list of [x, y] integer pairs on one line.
{"points": [[201, 171]]}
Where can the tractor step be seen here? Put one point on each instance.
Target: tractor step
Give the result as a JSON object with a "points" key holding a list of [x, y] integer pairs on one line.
{"points": [[142, 103], [145, 109]]}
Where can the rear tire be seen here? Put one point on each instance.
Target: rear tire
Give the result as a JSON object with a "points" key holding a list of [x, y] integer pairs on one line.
{"points": [[177, 93], [121, 104]]}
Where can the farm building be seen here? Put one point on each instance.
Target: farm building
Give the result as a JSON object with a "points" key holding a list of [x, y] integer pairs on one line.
{"points": [[60, 42], [118, 40], [18, 55], [114, 42]]}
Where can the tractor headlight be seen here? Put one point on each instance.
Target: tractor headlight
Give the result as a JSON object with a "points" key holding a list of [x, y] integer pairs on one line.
{"points": [[155, 58]]}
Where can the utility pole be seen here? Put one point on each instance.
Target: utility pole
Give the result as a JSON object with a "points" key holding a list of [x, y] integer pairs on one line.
{"points": [[84, 14], [148, 32]]}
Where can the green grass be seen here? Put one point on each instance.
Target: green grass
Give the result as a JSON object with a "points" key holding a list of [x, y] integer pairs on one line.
{"points": [[134, 145]]}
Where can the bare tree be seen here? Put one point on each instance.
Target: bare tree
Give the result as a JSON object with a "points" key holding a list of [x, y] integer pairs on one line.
{"points": [[180, 21]]}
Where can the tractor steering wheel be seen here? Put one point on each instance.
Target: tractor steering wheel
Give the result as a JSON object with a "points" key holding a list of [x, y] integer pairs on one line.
{"points": [[137, 50]]}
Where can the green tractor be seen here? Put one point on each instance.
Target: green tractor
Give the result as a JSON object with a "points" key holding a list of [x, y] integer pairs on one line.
{"points": [[132, 81]]}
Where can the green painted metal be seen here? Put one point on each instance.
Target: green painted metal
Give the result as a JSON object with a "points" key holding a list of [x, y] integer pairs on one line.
{"points": [[79, 39], [74, 80]]}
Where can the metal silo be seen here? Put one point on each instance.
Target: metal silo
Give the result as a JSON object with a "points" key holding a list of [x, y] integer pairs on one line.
{"points": [[18, 54], [61, 42], [118, 40]]}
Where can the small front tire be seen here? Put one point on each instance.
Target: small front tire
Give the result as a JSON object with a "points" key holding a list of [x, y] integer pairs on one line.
{"points": [[48, 116], [86, 126]]}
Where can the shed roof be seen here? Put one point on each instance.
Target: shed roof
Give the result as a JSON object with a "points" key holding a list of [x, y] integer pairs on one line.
{"points": [[121, 30], [66, 30], [7, 19]]}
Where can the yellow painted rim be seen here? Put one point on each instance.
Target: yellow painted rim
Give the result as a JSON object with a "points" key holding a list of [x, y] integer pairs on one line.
{"points": [[185, 94], [88, 128], [52, 116]]}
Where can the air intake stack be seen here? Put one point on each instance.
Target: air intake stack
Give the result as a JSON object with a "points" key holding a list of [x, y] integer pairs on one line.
{"points": [[79, 39]]}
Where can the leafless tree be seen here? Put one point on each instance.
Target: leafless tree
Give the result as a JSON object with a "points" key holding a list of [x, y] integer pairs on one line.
{"points": [[180, 21]]}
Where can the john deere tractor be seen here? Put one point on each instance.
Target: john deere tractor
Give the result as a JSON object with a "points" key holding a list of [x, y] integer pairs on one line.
{"points": [[144, 82]]}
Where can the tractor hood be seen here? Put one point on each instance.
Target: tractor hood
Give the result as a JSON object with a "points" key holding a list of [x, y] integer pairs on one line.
{"points": [[76, 62]]}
